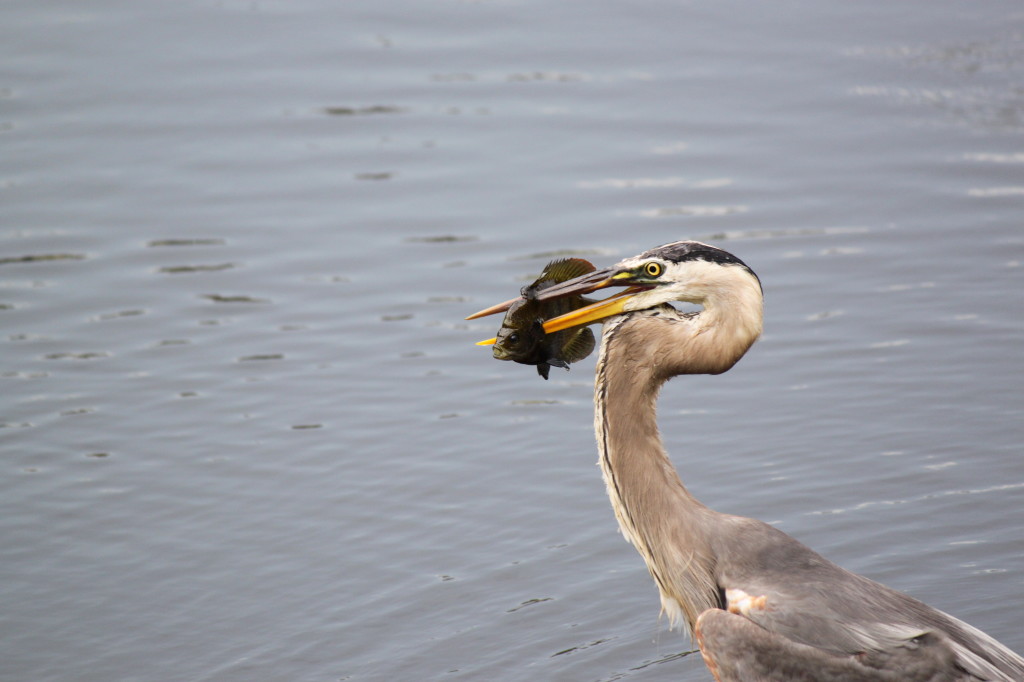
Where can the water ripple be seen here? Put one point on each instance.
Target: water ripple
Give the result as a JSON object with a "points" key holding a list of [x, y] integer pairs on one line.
{"points": [[919, 498]]}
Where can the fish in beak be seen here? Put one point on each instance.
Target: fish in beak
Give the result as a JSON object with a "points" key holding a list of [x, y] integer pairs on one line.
{"points": [[585, 284]]}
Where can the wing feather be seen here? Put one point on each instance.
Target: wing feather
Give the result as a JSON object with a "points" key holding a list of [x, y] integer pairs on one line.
{"points": [[810, 601]]}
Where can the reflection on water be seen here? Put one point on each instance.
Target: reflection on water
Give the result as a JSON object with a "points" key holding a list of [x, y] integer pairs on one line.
{"points": [[247, 433]]}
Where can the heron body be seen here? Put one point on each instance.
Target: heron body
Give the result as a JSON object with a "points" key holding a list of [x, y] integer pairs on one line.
{"points": [[761, 605]]}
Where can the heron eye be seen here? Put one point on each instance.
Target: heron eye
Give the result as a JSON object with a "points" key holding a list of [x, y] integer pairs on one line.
{"points": [[653, 269]]}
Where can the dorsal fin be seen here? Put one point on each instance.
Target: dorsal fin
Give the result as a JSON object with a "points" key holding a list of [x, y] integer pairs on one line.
{"points": [[564, 269]]}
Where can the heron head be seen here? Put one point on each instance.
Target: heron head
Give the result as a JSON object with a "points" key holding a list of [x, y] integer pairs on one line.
{"points": [[681, 271]]}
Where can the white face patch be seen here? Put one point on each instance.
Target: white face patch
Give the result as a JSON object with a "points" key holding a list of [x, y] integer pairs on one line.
{"points": [[696, 282]]}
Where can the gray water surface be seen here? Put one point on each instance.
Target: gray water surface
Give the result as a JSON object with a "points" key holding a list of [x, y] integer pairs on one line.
{"points": [[247, 435]]}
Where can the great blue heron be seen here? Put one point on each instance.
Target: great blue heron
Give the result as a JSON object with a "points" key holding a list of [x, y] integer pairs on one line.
{"points": [[762, 605]]}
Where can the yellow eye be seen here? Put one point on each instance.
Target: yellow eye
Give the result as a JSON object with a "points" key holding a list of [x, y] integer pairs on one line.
{"points": [[653, 269]]}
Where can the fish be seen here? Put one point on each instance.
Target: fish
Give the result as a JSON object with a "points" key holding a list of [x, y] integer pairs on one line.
{"points": [[521, 337]]}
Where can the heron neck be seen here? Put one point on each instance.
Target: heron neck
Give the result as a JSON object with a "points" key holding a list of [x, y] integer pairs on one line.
{"points": [[657, 514]]}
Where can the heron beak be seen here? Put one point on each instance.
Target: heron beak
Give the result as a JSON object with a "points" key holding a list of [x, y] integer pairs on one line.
{"points": [[613, 305], [581, 285], [500, 308], [599, 279], [595, 312]]}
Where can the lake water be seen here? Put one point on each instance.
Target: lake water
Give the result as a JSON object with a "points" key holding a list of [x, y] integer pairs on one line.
{"points": [[247, 435]]}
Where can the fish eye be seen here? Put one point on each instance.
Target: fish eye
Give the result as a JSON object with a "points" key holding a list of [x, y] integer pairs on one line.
{"points": [[653, 269], [513, 338]]}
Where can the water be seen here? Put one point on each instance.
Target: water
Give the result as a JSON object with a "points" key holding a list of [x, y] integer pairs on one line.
{"points": [[247, 434]]}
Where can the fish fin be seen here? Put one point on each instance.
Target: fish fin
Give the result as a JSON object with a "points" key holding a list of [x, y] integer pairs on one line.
{"points": [[580, 346], [564, 269], [558, 362], [542, 369]]}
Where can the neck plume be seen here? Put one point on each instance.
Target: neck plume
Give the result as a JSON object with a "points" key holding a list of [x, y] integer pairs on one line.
{"points": [[669, 527]]}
